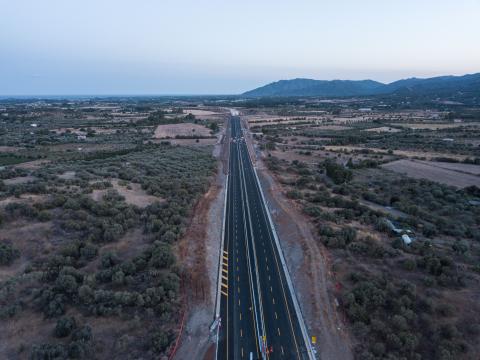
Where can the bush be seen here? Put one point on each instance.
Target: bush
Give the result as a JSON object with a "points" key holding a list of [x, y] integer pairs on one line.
{"points": [[409, 264], [8, 254], [160, 341], [65, 326], [67, 284], [162, 256], [338, 173], [48, 352]]}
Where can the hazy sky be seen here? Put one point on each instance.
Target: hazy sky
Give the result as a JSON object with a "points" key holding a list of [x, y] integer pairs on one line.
{"points": [[227, 46]]}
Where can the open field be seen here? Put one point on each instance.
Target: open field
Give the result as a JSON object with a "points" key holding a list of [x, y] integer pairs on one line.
{"points": [[407, 153], [132, 192], [190, 142], [383, 129], [199, 112], [436, 126], [463, 168], [433, 172], [181, 130]]}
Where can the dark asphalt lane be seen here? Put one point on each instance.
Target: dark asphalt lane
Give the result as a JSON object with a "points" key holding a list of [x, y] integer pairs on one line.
{"points": [[258, 319]]}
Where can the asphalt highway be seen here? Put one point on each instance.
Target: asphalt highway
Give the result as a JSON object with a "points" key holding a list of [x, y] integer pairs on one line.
{"points": [[258, 317]]}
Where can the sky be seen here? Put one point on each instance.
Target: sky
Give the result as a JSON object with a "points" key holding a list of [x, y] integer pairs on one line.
{"points": [[166, 47]]}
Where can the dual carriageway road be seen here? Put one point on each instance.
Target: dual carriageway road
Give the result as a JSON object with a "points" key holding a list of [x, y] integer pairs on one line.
{"points": [[258, 314]]}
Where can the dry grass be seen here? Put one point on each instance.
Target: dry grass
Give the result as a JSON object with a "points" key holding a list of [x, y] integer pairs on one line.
{"points": [[9, 149], [133, 194], [23, 198], [173, 130], [407, 153], [464, 168], [97, 130], [31, 165], [424, 170], [15, 331], [190, 142], [434, 126], [19, 180]]}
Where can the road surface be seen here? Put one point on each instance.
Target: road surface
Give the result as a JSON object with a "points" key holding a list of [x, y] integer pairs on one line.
{"points": [[258, 315]]}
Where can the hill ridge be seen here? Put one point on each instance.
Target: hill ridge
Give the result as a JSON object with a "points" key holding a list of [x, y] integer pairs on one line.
{"points": [[338, 87]]}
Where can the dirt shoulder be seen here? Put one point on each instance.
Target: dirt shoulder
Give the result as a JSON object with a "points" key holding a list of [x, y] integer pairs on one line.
{"points": [[198, 252]]}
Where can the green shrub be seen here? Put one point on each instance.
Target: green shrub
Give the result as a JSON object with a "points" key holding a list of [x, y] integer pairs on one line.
{"points": [[160, 341], [65, 326], [8, 253]]}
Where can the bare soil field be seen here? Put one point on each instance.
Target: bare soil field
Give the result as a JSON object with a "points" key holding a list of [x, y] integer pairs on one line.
{"points": [[383, 129], [198, 112], [173, 130], [424, 170]]}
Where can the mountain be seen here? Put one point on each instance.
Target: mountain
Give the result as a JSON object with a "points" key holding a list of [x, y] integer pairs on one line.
{"points": [[441, 85]]}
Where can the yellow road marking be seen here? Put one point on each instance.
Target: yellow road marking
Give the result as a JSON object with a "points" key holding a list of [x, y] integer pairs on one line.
{"points": [[225, 271], [225, 286], [224, 278], [224, 293], [225, 258]]}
